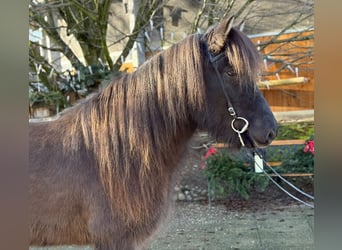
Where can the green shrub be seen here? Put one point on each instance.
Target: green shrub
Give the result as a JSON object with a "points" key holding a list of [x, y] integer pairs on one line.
{"points": [[302, 160], [227, 175]]}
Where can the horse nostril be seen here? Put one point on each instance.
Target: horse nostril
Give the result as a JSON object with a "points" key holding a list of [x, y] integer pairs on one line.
{"points": [[271, 135], [265, 138]]}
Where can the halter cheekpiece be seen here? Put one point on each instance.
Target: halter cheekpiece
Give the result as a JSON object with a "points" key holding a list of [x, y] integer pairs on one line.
{"points": [[231, 110]]}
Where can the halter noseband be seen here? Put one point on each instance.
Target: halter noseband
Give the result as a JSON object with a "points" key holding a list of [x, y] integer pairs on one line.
{"points": [[231, 110]]}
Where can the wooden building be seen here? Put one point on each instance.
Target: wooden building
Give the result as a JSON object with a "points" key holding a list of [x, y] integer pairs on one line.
{"points": [[287, 81]]}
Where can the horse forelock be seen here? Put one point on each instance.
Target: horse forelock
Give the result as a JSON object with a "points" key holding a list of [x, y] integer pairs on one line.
{"points": [[130, 126], [243, 55]]}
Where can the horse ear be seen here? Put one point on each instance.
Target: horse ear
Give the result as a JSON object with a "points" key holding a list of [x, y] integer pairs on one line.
{"points": [[219, 35], [241, 25], [224, 27]]}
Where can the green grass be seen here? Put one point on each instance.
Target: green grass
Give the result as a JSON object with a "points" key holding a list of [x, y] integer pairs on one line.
{"points": [[300, 130]]}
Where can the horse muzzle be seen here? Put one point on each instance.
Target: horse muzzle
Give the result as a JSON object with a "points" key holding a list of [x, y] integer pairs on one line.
{"points": [[262, 139]]}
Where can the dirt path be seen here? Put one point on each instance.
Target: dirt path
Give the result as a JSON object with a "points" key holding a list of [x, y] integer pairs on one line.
{"points": [[194, 226]]}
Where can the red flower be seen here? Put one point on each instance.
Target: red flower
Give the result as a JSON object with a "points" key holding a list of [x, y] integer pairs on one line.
{"points": [[309, 147], [211, 151]]}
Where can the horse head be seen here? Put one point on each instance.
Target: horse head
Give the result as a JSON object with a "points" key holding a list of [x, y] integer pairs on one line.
{"points": [[234, 104]]}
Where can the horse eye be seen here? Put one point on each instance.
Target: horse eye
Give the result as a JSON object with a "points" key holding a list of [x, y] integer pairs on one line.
{"points": [[230, 73], [213, 51]]}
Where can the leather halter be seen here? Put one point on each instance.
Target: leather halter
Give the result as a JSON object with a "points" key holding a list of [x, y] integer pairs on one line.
{"points": [[231, 110]]}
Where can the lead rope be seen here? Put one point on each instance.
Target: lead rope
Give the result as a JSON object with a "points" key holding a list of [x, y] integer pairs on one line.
{"points": [[282, 178], [244, 129], [286, 181]]}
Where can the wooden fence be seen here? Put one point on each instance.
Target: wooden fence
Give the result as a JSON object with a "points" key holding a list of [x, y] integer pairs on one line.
{"points": [[259, 165]]}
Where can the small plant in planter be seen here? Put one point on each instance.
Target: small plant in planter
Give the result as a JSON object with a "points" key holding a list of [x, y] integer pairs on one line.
{"points": [[87, 79], [227, 175], [51, 100], [54, 91]]}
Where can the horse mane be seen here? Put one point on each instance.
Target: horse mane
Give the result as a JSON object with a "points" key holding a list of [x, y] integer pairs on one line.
{"points": [[130, 127]]}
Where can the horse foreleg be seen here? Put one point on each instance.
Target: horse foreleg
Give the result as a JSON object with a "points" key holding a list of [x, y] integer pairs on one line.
{"points": [[115, 246], [109, 234]]}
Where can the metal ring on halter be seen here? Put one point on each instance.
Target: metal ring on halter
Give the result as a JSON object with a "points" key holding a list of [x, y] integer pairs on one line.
{"points": [[243, 129], [239, 132]]}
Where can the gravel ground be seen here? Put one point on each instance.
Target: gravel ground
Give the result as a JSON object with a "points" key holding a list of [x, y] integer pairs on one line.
{"points": [[195, 226], [198, 227]]}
